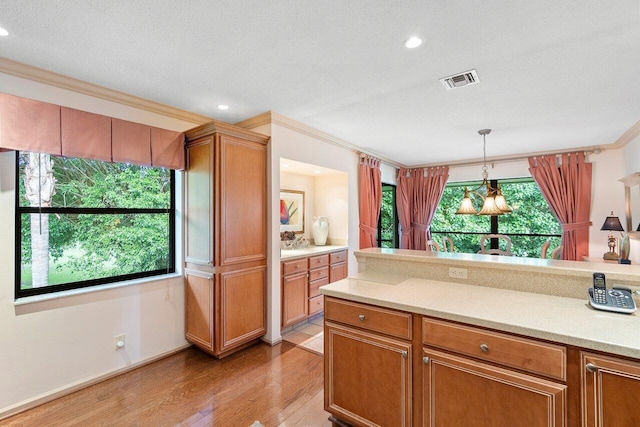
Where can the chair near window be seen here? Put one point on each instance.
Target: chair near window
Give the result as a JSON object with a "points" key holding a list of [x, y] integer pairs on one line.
{"points": [[447, 244], [489, 251], [555, 254], [433, 246]]}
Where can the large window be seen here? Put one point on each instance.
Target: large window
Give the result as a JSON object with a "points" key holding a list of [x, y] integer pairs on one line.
{"points": [[529, 225], [84, 222], [388, 221]]}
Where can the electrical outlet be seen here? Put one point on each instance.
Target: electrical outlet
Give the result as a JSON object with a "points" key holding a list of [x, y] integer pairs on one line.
{"points": [[458, 273], [119, 341]]}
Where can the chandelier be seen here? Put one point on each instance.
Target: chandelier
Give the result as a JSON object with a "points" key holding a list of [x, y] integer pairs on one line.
{"points": [[493, 202]]}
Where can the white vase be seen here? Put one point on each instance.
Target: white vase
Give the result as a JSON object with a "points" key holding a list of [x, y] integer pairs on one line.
{"points": [[320, 230]]}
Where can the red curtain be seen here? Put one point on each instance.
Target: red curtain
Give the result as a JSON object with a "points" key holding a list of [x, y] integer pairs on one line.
{"points": [[428, 185], [370, 197], [565, 183], [28, 125], [404, 205]]}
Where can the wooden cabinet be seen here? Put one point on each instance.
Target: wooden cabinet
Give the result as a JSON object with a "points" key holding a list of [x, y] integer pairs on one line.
{"points": [[295, 291], [367, 373], [225, 237], [301, 280], [496, 390], [610, 391]]}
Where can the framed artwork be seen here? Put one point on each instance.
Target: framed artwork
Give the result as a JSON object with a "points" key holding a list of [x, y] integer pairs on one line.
{"points": [[292, 211]]}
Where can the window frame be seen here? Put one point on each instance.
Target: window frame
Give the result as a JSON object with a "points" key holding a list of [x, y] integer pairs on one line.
{"points": [[52, 289], [494, 219], [396, 241]]}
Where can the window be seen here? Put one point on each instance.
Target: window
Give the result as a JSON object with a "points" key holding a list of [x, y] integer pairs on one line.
{"points": [[388, 221], [529, 225], [84, 222]]}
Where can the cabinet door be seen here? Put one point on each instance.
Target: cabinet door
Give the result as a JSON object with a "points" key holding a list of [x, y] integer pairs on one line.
{"points": [[243, 200], [199, 203], [295, 292], [367, 377], [199, 308], [241, 308], [462, 392], [337, 272], [610, 391]]}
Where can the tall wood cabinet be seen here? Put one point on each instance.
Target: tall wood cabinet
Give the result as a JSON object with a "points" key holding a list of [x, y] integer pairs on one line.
{"points": [[225, 237]]}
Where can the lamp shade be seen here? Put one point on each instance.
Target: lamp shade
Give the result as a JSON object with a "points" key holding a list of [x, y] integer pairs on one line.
{"points": [[489, 207], [612, 223], [466, 206]]}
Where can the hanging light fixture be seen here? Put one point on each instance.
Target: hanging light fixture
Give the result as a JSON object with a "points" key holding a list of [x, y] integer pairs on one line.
{"points": [[494, 202]]}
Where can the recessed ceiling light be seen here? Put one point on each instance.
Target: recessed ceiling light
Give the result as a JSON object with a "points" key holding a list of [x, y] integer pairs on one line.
{"points": [[223, 107], [286, 165], [3, 32], [413, 42], [316, 171]]}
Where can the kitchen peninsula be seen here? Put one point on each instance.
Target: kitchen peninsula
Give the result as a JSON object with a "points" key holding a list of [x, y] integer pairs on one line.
{"points": [[513, 343]]}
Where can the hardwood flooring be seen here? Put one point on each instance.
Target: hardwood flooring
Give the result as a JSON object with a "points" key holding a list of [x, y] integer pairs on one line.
{"points": [[278, 386]]}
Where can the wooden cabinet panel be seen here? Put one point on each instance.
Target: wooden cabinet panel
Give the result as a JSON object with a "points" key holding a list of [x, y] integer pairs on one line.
{"points": [[318, 273], [517, 352], [199, 203], [225, 232], [386, 321], [243, 194], [319, 261], [314, 287], [367, 377], [294, 299], [337, 272], [338, 257], [296, 266], [199, 308], [316, 304], [462, 392], [242, 306], [610, 391]]}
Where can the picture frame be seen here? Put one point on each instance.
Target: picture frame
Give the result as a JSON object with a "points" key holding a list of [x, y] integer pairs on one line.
{"points": [[292, 211]]}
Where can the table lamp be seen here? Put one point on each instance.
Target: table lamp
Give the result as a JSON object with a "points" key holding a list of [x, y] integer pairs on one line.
{"points": [[612, 223]]}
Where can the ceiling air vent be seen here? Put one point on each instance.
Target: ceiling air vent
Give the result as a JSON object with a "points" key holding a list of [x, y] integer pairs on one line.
{"points": [[459, 80]]}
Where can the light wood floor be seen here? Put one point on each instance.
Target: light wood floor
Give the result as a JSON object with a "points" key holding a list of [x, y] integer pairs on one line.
{"points": [[279, 386]]}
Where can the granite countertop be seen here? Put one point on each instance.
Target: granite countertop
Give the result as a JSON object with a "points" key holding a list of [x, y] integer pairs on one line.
{"points": [[286, 254], [564, 320]]}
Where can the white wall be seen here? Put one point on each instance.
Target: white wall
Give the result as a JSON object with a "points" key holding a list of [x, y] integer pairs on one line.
{"points": [[332, 201], [631, 162], [49, 346], [294, 145]]}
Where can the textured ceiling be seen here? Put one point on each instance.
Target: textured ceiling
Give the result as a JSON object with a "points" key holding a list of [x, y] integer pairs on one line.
{"points": [[554, 74]]}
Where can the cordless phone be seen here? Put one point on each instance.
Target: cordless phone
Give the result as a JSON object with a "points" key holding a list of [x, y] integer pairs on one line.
{"points": [[619, 300]]}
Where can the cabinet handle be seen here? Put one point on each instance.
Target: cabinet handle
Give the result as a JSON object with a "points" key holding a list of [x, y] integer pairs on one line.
{"points": [[404, 354], [484, 348], [591, 367], [362, 317], [426, 360]]}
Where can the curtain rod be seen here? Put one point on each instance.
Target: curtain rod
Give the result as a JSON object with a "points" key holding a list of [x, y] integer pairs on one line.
{"points": [[506, 159]]}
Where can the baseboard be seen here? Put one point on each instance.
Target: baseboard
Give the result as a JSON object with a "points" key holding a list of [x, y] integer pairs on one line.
{"points": [[79, 385], [272, 342]]}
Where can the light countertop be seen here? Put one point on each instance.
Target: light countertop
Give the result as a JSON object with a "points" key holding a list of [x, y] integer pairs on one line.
{"points": [[561, 319], [286, 254]]}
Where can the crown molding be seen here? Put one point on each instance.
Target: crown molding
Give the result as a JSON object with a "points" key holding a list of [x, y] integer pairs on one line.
{"points": [[270, 117], [628, 136], [25, 71]]}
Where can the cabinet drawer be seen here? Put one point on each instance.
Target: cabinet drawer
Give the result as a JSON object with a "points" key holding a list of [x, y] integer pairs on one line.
{"points": [[528, 355], [316, 305], [294, 267], [318, 273], [337, 257], [390, 322], [313, 286], [319, 261]]}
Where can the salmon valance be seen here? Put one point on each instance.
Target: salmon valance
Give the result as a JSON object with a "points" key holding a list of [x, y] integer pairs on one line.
{"points": [[29, 125]]}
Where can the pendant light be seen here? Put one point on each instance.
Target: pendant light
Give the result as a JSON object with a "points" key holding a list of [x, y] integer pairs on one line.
{"points": [[494, 202]]}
